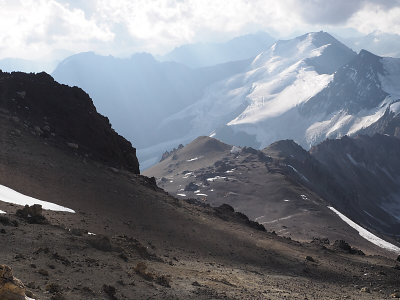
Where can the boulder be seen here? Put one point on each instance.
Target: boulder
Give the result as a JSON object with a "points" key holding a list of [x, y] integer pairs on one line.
{"points": [[33, 214], [11, 288]]}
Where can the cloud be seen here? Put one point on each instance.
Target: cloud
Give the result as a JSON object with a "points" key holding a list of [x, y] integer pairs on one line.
{"points": [[377, 17], [327, 12], [121, 27], [35, 27]]}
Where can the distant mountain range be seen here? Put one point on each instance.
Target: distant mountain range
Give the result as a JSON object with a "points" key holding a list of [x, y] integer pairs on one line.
{"points": [[209, 54], [307, 89], [138, 93]]}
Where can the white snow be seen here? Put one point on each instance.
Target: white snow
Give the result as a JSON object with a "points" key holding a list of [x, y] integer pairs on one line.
{"points": [[230, 171], [2, 212], [304, 197], [235, 149], [298, 173], [91, 233], [201, 195], [10, 196], [351, 159], [182, 195], [187, 175], [395, 107], [216, 178], [193, 159], [296, 85], [366, 234], [286, 200]]}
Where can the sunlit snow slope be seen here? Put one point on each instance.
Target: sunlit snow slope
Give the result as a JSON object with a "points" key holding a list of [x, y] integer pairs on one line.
{"points": [[307, 89], [10, 196], [261, 105]]}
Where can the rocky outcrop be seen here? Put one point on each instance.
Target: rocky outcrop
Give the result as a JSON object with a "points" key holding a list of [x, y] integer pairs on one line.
{"points": [[33, 214], [167, 153], [64, 116], [11, 288]]}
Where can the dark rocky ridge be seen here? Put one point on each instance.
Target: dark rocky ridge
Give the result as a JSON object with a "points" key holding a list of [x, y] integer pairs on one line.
{"points": [[65, 116], [355, 86], [365, 169], [288, 189]]}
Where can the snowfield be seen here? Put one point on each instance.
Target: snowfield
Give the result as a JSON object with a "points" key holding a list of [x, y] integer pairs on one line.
{"points": [[366, 234], [10, 196], [2, 212]]}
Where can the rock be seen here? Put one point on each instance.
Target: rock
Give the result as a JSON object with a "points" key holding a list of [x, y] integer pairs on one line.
{"points": [[343, 245], [395, 295], [365, 290], [73, 145], [309, 258], [11, 288], [7, 222], [38, 131], [191, 187], [398, 258], [195, 283], [53, 288], [33, 214], [43, 272], [110, 291], [21, 94], [320, 241], [58, 296], [30, 294], [100, 242]]}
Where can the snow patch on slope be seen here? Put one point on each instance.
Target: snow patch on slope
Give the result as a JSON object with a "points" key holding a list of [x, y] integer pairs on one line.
{"points": [[366, 234], [10, 196], [295, 86], [2, 212]]}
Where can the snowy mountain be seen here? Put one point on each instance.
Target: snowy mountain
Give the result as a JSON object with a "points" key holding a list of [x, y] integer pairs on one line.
{"points": [[307, 89], [292, 91], [260, 105], [209, 54]]}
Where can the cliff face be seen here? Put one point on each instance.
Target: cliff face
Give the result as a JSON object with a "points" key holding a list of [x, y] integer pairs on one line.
{"points": [[64, 116]]}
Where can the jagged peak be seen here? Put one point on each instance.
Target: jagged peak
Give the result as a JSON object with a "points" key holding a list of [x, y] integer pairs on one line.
{"points": [[366, 54]]}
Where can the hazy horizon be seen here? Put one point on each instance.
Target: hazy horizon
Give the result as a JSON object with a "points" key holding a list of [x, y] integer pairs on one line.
{"points": [[59, 28]]}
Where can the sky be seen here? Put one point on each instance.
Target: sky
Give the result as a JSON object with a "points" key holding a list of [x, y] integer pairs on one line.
{"points": [[49, 29]]}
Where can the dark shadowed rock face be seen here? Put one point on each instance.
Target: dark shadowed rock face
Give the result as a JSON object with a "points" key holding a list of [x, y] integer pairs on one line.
{"points": [[66, 116], [366, 170], [355, 86]]}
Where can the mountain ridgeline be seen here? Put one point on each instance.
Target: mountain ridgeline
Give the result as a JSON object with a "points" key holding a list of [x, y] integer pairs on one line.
{"points": [[289, 189], [307, 89], [65, 116]]}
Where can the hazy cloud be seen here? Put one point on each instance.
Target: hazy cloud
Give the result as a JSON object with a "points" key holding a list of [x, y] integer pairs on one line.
{"points": [[121, 27]]}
